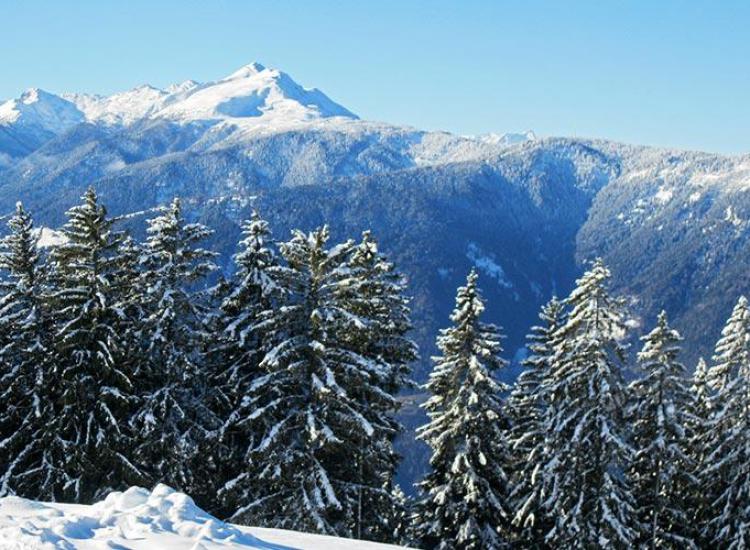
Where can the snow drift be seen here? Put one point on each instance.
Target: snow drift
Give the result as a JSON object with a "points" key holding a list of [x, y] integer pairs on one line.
{"points": [[141, 520]]}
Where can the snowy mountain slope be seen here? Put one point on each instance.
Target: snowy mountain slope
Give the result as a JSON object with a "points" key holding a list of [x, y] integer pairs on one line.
{"points": [[675, 227], [256, 93], [124, 107], [508, 138], [141, 520], [252, 95], [39, 109], [31, 120], [288, 133]]}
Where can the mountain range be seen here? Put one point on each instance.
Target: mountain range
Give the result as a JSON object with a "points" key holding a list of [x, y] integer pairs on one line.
{"points": [[527, 212]]}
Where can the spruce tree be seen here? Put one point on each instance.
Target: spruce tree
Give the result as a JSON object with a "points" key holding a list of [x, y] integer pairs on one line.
{"points": [[465, 496], [373, 291], [661, 470], [400, 519], [587, 497], [295, 397], [314, 399], [92, 442], [727, 464], [237, 353], [699, 432], [526, 406], [27, 383], [174, 417], [700, 409]]}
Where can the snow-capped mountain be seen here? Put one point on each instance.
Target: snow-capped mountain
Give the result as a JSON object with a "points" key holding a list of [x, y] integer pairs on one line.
{"points": [[33, 119], [510, 138], [122, 108], [252, 93], [37, 109]]}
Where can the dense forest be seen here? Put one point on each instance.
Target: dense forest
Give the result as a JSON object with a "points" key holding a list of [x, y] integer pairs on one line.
{"points": [[270, 395]]}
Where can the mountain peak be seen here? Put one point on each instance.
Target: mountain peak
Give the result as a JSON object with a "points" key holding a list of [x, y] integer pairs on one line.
{"points": [[251, 69], [39, 109], [35, 95], [252, 94], [511, 138], [30, 96], [182, 87]]}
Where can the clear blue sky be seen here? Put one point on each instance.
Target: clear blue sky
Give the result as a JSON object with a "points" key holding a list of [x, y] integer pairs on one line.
{"points": [[657, 72]]}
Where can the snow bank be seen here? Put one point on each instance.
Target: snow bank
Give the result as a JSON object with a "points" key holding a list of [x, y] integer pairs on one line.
{"points": [[141, 520]]}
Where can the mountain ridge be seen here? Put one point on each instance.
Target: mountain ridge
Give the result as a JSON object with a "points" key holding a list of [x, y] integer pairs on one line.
{"points": [[253, 91], [567, 199]]}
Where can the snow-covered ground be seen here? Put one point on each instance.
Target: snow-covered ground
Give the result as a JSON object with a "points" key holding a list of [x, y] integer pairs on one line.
{"points": [[141, 520]]}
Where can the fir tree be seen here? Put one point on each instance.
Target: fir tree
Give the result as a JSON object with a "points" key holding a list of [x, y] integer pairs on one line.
{"points": [[27, 383], [174, 417], [92, 443], [526, 406], [465, 494], [586, 495], [295, 395], [661, 469], [727, 469]]}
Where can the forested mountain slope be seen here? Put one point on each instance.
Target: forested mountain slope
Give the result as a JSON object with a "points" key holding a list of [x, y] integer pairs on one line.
{"points": [[526, 212]]}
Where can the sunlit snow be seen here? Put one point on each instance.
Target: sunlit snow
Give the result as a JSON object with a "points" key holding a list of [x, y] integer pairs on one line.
{"points": [[141, 520]]}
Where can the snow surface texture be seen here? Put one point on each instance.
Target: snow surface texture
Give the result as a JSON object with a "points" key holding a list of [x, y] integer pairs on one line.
{"points": [[141, 520]]}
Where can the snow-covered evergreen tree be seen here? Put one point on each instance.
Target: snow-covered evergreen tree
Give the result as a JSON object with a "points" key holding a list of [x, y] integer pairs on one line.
{"points": [[699, 431], [727, 470], [375, 292], [237, 353], [526, 406], [92, 443], [701, 399], [127, 297], [661, 470], [174, 416], [399, 519], [27, 384], [465, 502], [371, 289], [318, 399], [586, 494]]}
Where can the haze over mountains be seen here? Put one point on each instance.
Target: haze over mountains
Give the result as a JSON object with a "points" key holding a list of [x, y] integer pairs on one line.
{"points": [[672, 225]]}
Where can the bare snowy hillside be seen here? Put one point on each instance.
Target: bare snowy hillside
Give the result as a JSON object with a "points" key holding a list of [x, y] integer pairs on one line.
{"points": [[141, 520]]}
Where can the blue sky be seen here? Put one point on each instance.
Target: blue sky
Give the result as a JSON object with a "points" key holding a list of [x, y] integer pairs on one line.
{"points": [[654, 72]]}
